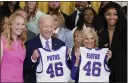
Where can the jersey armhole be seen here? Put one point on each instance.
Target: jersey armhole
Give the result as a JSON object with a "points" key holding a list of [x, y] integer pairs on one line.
{"points": [[40, 61], [68, 61], [106, 67]]}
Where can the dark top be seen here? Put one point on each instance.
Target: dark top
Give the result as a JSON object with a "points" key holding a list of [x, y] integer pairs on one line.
{"points": [[72, 19], [118, 62], [5, 11]]}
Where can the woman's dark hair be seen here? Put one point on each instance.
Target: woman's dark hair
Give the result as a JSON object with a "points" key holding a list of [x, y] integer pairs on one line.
{"points": [[121, 22], [5, 3], [96, 20], [125, 10], [121, 25], [5, 8], [101, 10]]}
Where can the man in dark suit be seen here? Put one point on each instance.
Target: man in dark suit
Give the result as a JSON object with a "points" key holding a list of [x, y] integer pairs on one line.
{"points": [[46, 26], [75, 16]]}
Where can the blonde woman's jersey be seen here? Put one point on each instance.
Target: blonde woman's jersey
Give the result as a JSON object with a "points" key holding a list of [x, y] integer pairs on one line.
{"points": [[93, 67]]}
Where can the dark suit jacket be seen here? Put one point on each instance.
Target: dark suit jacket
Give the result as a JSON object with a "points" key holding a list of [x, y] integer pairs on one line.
{"points": [[29, 69], [71, 20], [30, 35], [118, 62]]}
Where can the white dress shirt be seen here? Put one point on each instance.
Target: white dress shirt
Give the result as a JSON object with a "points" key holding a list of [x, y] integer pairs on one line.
{"points": [[57, 30], [77, 16], [44, 40]]}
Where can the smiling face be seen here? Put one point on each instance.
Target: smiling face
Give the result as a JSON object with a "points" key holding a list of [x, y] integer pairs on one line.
{"points": [[88, 16], [31, 4], [46, 25], [111, 17], [89, 41], [18, 26]]}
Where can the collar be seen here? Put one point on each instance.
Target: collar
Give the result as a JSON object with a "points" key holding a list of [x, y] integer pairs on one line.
{"points": [[43, 40], [56, 31], [84, 26], [78, 12]]}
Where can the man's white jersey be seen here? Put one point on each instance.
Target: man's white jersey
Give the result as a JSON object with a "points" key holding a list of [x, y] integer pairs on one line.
{"points": [[53, 66], [93, 67]]}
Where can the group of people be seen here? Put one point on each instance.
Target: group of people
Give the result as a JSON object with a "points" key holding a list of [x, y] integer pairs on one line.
{"points": [[55, 47]]}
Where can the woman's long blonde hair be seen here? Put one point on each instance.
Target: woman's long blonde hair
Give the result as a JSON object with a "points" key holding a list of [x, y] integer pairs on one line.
{"points": [[60, 18], [7, 31], [31, 14]]}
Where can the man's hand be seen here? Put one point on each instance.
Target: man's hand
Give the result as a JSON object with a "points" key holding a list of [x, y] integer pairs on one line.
{"points": [[35, 55]]}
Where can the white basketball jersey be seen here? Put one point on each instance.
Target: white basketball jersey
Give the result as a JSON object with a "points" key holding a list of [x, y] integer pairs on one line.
{"points": [[93, 67], [54, 66]]}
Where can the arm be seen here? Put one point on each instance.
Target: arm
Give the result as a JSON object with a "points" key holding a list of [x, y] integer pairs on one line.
{"points": [[29, 65], [109, 55], [1, 50], [75, 65]]}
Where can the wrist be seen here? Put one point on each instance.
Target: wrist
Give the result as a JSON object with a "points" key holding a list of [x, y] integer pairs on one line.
{"points": [[34, 58], [77, 59], [77, 62]]}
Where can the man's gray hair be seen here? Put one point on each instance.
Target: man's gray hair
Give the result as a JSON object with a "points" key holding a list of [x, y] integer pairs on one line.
{"points": [[45, 17]]}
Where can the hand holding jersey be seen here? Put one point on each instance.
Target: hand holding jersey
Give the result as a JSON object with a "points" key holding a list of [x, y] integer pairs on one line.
{"points": [[53, 66], [35, 55], [93, 65], [92, 61], [78, 53], [109, 55]]}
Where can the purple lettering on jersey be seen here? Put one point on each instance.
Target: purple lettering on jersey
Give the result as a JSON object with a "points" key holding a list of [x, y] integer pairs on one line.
{"points": [[53, 57], [95, 70], [58, 69], [93, 56], [50, 70], [87, 68]]}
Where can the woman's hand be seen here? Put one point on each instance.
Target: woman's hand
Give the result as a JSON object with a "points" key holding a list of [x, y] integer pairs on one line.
{"points": [[77, 55], [109, 54]]}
